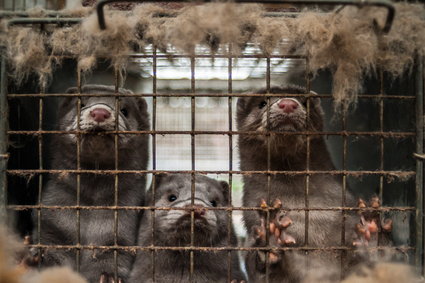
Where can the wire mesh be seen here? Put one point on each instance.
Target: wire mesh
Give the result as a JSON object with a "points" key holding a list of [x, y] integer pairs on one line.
{"points": [[350, 170]]}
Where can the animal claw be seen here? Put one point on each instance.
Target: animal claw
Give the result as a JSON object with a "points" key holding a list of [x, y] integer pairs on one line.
{"points": [[277, 203], [370, 224], [387, 225], [361, 203]]}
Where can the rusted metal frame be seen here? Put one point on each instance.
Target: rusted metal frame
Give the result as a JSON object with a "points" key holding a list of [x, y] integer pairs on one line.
{"points": [[40, 160], [359, 173], [116, 165], [215, 249], [192, 154], [230, 117], [241, 208], [344, 188], [78, 192], [379, 3], [268, 200], [154, 105], [4, 156], [33, 21], [327, 96], [419, 217], [196, 132], [212, 56], [381, 141], [23, 14], [307, 163], [61, 15]]}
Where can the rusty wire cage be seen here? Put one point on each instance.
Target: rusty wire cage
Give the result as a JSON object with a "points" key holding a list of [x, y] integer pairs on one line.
{"points": [[371, 146]]}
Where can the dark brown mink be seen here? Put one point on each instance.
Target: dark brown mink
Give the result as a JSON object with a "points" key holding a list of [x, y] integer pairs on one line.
{"points": [[288, 152]]}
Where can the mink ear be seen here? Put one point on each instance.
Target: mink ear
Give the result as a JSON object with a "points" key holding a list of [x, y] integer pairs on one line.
{"points": [[225, 189], [72, 90], [241, 103], [141, 104], [66, 102], [159, 178]]}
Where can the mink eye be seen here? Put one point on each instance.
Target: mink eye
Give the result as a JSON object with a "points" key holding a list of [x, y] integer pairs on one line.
{"points": [[124, 112], [262, 104], [213, 203], [172, 198]]}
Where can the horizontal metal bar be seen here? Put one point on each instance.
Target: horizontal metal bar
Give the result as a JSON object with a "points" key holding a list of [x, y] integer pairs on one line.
{"points": [[233, 208], [361, 3], [194, 133], [56, 14], [401, 174], [4, 156], [24, 14], [420, 157], [370, 96], [30, 21], [227, 56], [217, 249], [188, 56]]}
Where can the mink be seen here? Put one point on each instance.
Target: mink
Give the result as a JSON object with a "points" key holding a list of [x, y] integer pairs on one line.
{"points": [[97, 227], [172, 228]]}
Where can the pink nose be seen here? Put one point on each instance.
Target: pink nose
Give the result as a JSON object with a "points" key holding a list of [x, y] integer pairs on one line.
{"points": [[100, 114], [288, 105], [198, 210]]}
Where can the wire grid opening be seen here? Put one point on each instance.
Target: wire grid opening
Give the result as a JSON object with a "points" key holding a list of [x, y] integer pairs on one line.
{"points": [[384, 140]]}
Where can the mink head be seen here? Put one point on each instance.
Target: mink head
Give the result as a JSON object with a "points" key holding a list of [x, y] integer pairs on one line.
{"points": [[173, 227], [98, 114], [279, 114]]}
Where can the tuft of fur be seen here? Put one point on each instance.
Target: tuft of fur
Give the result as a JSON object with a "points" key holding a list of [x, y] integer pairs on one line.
{"points": [[26, 49], [345, 41], [342, 42]]}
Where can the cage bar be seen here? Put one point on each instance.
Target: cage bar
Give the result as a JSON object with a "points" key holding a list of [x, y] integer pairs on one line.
{"points": [[381, 134], [4, 120], [420, 77]]}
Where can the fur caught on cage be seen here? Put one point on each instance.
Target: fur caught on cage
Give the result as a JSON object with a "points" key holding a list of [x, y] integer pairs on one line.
{"points": [[344, 41]]}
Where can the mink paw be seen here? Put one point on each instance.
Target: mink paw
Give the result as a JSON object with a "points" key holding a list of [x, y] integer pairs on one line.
{"points": [[109, 278], [30, 257], [370, 223], [278, 236]]}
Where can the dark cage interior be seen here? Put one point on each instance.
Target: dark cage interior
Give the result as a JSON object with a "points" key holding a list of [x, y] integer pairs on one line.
{"points": [[214, 164]]}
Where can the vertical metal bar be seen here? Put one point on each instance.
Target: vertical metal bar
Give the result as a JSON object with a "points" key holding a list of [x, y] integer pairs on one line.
{"points": [[116, 179], [381, 141], [230, 212], [154, 89], [268, 71], [420, 77], [192, 137], [307, 168], [344, 184], [40, 157], [4, 119], [78, 212]]}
